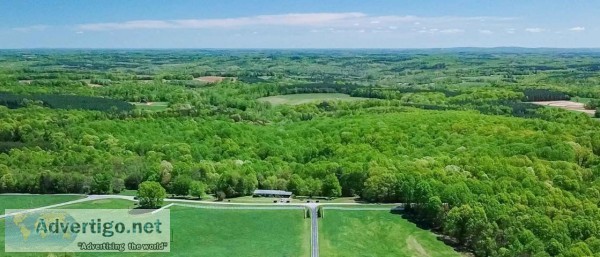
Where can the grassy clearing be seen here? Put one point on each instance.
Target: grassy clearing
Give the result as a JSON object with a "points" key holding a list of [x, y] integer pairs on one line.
{"points": [[102, 204], [308, 98], [128, 192], [151, 106], [376, 233], [239, 232], [33, 201], [217, 232], [581, 99], [567, 105], [214, 79]]}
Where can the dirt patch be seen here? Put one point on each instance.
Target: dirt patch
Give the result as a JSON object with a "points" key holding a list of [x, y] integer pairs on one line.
{"points": [[213, 79], [567, 105], [416, 248], [94, 85], [25, 81]]}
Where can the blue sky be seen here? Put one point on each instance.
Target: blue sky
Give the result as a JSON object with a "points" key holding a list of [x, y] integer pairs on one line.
{"points": [[298, 23]]}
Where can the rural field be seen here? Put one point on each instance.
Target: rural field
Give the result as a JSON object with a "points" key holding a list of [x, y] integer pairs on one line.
{"points": [[151, 106], [376, 233], [217, 232], [569, 105], [297, 99], [33, 201], [226, 231]]}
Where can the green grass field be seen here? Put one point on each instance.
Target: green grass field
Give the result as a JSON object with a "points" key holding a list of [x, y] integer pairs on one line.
{"points": [[581, 99], [376, 233], [217, 232], [102, 204], [239, 232], [33, 201], [153, 106], [308, 98], [128, 192]]}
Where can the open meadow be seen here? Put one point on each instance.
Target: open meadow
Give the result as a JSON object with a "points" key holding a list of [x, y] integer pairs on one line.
{"points": [[216, 232], [33, 201], [346, 233]]}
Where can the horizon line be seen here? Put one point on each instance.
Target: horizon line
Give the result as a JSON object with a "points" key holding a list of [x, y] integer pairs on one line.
{"points": [[304, 48]]}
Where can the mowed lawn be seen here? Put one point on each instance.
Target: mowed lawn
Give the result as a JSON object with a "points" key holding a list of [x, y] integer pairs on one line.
{"points": [[102, 204], [376, 233], [296, 99], [217, 232], [33, 201]]}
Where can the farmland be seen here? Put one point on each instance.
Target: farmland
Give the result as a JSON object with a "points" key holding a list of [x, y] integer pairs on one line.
{"points": [[212, 79], [151, 106], [220, 232], [567, 105], [456, 132], [33, 201], [376, 233]]}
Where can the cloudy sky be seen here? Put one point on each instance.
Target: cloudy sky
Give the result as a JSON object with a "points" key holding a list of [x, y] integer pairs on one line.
{"points": [[298, 23]]}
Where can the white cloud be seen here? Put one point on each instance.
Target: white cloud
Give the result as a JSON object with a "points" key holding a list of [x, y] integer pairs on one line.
{"points": [[577, 29], [32, 28], [320, 20], [486, 31], [440, 31], [510, 31], [294, 19], [534, 30], [451, 31]]}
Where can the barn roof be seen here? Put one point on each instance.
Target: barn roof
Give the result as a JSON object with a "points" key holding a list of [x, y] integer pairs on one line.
{"points": [[271, 192]]}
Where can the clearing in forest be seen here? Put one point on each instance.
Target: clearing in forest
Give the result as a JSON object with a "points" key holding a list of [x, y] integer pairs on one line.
{"points": [[213, 79], [151, 106], [296, 99], [217, 232], [567, 105], [376, 233]]}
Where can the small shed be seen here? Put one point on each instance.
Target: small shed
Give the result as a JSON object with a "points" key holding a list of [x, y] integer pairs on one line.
{"points": [[271, 193]]}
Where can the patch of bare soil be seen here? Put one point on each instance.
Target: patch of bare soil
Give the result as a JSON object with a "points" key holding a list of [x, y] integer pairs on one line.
{"points": [[567, 105], [213, 79]]}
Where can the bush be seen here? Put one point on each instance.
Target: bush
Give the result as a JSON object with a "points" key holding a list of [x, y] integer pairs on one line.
{"points": [[181, 185], [197, 189], [151, 194]]}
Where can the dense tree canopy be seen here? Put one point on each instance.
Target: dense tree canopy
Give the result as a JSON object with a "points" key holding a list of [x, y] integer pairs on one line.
{"points": [[452, 134]]}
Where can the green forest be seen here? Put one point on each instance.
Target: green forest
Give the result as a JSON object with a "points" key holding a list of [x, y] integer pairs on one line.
{"points": [[454, 133]]}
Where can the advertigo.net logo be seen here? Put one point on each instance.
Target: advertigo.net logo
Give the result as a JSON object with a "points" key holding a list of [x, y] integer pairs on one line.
{"points": [[104, 230]]}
